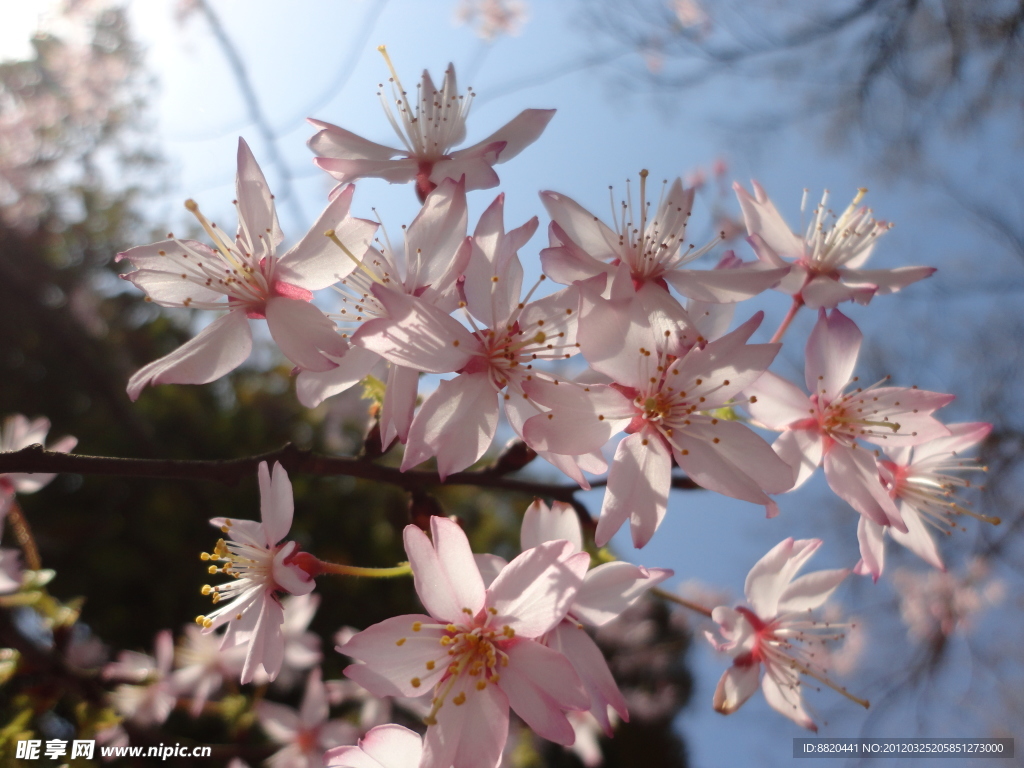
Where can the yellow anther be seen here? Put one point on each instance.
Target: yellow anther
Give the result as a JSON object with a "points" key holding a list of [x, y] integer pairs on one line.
{"points": [[205, 556], [459, 700], [416, 682], [481, 684], [493, 611], [430, 664], [207, 589], [223, 529], [417, 626], [467, 611], [400, 641], [207, 623], [430, 720], [212, 569], [201, 620], [446, 641], [452, 628], [508, 631]]}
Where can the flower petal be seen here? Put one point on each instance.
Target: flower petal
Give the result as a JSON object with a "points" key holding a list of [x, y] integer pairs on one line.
{"points": [[266, 645], [416, 334], [542, 524], [277, 505], [313, 387], [332, 141], [638, 486], [853, 475], [782, 691], [456, 558], [534, 592], [517, 134], [582, 418], [871, 538], [540, 684], [304, 334], [778, 403], [772, 574], [832, 351], [255, 203], [456, 424], [810, 591], [471, 734], [589, 662], [220, 347], [395, 666], [736, 685], [802, 450], [399, 404], [611, 588], [315, 261]]}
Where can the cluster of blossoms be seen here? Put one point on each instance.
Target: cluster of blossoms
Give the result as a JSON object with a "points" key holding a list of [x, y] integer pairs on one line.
{"points": [[650, 355]]}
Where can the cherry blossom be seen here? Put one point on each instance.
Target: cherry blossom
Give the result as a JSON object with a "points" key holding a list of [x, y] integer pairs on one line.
{"points": [[386, 746], [924, 480], [433, 256], [665, 398], [824, 265], [429, 126], [774, 630], [492, 18], [825, 426], [261, 567], [648, 248], [936, 604], [18, 432], [479, 648], [150, 696], [306, 734], [203, 664], [607, 591], [256, 283], [458, 421]]}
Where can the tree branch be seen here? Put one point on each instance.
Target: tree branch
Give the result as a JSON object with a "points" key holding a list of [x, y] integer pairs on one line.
{"points": [[295, 460]]}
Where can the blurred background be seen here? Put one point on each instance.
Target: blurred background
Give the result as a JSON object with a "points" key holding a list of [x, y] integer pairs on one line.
{"points": [[113, 113]]}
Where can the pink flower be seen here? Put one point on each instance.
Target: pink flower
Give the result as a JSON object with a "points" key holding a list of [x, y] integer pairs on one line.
{"points": [[305, 734], [924, 480], [664, 397], [648, 248], [256, 282], [261, 567], [434, 254], [386, 746], [203, 664], [458, 421], [607, 591], [774, 631], [150, 696], [429, 125], [824, 267], [16, 433], [825, 426], [934, 605], [480, 648]]}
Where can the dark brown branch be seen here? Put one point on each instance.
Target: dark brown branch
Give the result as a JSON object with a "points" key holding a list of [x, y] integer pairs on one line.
{"points": [[295, 460]]}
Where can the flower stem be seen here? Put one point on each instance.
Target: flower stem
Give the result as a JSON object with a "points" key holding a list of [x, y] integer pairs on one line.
{"points": [[681, 601], [794, 308], [402, 569], [23, 535]]}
